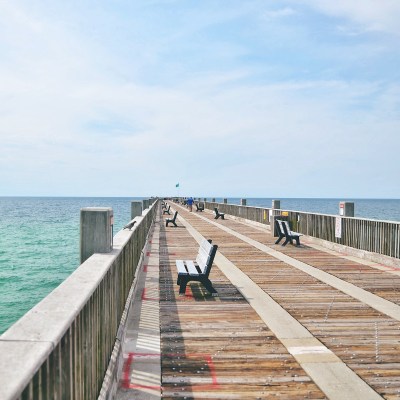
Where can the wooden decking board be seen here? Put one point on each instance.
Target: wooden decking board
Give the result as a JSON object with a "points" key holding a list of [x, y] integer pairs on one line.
{"points": [[378, 282], [219, 347], [350, 329]]}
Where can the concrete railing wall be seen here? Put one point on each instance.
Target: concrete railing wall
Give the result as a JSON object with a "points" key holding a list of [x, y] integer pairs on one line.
{"points": [[61, 348], [381, 237]]}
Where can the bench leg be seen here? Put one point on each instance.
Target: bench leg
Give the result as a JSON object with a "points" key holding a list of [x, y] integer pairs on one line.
{"points": [[279, 239], [208, 285], [222, 216], [182, 285], [286, 241], [216, 217], [174, 223], [297, 239]]}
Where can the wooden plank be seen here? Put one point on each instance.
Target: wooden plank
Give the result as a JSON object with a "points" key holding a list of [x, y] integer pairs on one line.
{"points": [[191, 268], [363, 338], [180, 265]]}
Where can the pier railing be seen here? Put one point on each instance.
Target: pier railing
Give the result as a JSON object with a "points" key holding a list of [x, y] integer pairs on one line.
{"points": [[381, 237], [61, 348]]}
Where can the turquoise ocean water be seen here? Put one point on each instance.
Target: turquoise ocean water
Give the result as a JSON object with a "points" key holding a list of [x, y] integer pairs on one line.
{"points": [[39, 239]]}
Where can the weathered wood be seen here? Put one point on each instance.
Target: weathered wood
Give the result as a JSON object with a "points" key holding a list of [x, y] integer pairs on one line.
{"points": [[381, 237], [363, 338]]}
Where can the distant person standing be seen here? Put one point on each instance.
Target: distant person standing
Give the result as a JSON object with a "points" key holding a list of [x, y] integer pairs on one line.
{"points": [[189, 203]]}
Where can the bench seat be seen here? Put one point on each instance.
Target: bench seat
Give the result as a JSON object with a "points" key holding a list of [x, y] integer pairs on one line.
{"points": [[198, 270]]}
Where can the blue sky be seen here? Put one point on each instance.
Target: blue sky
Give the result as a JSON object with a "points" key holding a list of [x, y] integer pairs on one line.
{"points": [[229, 98]]}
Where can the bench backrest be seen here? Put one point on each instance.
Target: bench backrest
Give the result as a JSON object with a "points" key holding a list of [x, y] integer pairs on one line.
{"points": [[205, 256], [216, 211], [279, 227], [174, 217], [284, 227]]}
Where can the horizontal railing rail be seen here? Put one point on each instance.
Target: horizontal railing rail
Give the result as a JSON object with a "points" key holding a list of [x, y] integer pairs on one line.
{"points": [[381, 237], [61, 348], [256, 214]]}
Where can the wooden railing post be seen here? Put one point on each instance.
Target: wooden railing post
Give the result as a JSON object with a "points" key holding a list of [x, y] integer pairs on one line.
{"points": [[96, 231], [136, 209], [346, 209]]}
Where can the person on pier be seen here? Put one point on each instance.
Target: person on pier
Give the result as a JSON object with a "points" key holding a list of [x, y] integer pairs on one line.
{"points": [[189, 203]]}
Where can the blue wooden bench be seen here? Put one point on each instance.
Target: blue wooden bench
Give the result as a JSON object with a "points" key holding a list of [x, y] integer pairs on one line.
{"points": [[198, 270], [284, 231]]}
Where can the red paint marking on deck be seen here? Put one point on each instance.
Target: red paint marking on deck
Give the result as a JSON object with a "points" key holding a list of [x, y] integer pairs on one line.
{"points": [[212, 370], [126, 373], [189, 292], [148, 254], [205, 357], [145, 268], [132, 386], [145, 298]]}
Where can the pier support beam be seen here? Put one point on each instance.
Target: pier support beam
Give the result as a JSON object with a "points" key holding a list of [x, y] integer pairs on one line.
{"points": [[136, 209], [96, 231]]}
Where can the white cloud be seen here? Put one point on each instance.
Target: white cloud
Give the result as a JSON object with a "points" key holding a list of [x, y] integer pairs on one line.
{"points": [[77, 121], [382, 15], [279, 13]]}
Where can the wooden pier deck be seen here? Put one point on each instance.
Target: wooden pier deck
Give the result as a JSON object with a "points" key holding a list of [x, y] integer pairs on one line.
{"points": [[289, 322]]}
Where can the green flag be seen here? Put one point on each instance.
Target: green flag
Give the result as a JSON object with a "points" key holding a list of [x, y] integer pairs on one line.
{"points": [[177, 185]]}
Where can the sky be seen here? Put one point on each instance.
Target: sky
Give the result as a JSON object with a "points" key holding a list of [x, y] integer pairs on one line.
{"points": [[228, 98]]}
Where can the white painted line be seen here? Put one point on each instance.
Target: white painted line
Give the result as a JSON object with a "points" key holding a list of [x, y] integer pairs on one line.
{"points": [[327, 371], [378, 303]]}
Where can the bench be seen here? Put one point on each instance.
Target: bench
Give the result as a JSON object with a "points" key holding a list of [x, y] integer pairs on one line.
{"points": [[167, 210], [218, 214], [199, 207], [171, 220], [198, 270], [284, 231]]}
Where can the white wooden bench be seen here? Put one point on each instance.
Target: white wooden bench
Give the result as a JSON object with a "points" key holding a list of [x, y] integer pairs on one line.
{"points": [[284, 231], [198, 270]]}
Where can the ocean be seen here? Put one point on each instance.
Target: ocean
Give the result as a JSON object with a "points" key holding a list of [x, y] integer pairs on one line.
{"points": [[39, 239]]}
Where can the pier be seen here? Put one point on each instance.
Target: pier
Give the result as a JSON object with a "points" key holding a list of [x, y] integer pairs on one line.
{"points": [[312, 322]]}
